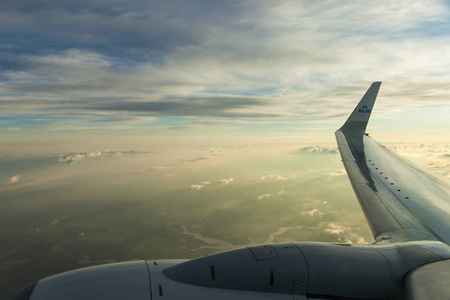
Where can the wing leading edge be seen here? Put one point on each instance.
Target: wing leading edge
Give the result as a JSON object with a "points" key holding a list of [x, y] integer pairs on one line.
{"points": [[401, 201]]}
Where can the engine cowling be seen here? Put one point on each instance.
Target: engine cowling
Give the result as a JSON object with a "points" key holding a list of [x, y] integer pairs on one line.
{"points": [[279, 271]]}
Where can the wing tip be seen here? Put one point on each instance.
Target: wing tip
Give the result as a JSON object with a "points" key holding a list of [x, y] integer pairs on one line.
{"points": [[357, 121]]}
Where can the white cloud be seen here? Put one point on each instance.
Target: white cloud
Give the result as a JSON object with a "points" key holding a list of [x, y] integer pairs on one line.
{"points": [[226, 181], [275, 177], [94, 154], [14, 179], [71, 158], [345, 234], [313, 212], [200, 185], [196, 186], [319, 149], [264, 196]]}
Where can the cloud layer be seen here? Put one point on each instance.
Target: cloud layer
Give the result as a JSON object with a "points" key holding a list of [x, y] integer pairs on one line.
{"points": [[165, 66], [175, 198]]}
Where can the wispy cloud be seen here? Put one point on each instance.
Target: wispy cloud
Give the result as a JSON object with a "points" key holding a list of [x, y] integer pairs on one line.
{"points": [[166, 66], [338, 173]]}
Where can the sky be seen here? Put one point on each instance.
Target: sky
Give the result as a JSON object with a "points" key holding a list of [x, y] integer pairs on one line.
{"points": [[175, 129], [221, 68]]}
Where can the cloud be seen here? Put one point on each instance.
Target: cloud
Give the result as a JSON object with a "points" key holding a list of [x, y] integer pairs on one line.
{"points": [[338, 173], [312, 213], [287, 62], [72, 158], [226, 181], [270, 195], [95, 154], [199, 185], [155, 168], [265, 196], [345, 234], [211, 105], [275, 177], [14, 179], [319, 149]]}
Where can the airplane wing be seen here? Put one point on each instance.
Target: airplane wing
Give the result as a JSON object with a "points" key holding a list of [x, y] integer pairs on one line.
{"points": [[401, 201]]}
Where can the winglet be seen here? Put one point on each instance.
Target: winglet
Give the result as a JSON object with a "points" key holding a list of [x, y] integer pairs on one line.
{"points": [[357, 122]]}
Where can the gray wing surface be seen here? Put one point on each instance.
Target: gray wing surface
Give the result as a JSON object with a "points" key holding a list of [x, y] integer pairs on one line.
{"points": [[401, 201]]}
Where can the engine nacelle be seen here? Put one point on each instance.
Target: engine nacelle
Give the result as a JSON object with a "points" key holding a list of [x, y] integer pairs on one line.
{"points": [[278, 271]]}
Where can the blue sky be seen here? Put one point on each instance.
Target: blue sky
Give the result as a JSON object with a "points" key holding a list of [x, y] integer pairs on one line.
{"points": [[222, 67]]}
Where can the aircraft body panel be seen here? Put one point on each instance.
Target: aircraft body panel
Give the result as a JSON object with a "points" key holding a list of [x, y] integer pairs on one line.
{"points": [[111, 281], [429, 282]]}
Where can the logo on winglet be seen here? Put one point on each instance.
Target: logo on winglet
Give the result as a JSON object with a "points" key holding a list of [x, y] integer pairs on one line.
{"points": [[365, 109]]}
